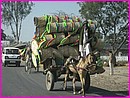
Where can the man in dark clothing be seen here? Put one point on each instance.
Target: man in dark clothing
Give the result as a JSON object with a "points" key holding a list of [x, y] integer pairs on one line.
{"points": [[87, 35]]}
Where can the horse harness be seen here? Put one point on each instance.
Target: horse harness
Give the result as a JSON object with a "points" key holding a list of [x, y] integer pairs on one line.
{"points": [[74, 62]]}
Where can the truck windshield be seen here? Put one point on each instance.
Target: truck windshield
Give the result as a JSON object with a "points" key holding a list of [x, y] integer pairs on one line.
{"points": [[12, 51]]}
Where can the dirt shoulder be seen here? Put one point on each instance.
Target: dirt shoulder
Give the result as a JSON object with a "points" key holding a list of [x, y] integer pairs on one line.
{"points": [[116, 83]]}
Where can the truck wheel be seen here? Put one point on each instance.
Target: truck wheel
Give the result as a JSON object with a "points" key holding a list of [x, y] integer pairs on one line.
{"points": [[49, 81], [87, 81], [18, 64], [5, 64]]}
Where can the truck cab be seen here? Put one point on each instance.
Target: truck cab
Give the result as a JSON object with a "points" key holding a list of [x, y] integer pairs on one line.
{"points": [[11, 55]]}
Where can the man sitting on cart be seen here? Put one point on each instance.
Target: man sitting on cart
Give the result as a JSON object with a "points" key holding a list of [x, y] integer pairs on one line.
{"points": [[87, 34]]}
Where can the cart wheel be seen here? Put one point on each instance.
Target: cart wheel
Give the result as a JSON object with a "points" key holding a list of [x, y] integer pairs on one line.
{"points": [[87, 81], [37, 68], [29, 66], [26, 68], [49, 81]]}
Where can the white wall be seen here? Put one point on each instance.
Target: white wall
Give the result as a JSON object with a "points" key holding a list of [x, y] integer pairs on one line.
{"points": [[118, 58]]}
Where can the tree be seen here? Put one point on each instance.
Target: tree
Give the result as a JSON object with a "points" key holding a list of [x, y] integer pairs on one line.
{"points": [[105, 13], [90, 10], [11, 39], [13, 13], [3, 35], [112, 19], [61, 13]]}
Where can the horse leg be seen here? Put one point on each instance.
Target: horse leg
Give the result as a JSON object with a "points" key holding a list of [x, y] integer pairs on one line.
{"points": [[82, 76], [83, 85], [81, 81], [65, 80], [74, 80]]}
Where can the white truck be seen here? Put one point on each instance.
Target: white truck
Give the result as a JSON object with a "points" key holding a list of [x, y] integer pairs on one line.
{"points": [[10, 55]]}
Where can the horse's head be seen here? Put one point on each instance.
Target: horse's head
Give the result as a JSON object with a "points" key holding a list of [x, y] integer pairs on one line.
{"points": [[91, 58], [90, 61]]}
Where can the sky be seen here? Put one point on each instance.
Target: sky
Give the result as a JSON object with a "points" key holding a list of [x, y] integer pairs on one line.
{"points": [[39, 9]]}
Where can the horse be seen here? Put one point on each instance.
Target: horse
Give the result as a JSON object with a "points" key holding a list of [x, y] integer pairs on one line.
{"points": [[81, 69]]}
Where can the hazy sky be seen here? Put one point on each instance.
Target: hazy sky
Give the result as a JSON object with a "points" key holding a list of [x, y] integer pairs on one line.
{"points": [[40, 9]]}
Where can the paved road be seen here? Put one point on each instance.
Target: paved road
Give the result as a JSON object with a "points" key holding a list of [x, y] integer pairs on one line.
{"points": [[16, 82]]}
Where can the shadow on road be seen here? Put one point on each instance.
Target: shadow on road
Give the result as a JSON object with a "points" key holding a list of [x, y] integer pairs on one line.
{"points": [[11, 65], [94, 91], [35, 72], [103, 92]]}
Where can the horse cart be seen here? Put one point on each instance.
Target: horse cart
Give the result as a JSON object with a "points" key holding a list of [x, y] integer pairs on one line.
{"points": [[56, 39], [52, 63]]}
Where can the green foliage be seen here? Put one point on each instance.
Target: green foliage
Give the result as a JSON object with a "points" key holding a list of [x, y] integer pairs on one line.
{"points": [[89, 10], [112, 19]]}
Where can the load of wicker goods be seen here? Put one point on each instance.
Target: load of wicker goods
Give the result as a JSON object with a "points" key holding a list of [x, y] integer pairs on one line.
{"points": [[56, 34]]}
